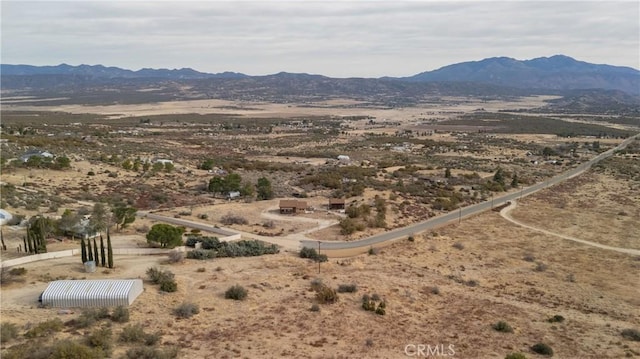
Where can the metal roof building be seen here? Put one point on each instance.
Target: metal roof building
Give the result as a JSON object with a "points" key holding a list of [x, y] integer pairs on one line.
{"points": [[91, 293]]}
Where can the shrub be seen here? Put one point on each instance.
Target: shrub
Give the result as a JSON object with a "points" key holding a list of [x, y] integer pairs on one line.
{"points": [[69, 349], [435, 290], [540, 267], [515, 356], [315, 308], [375, 297], [152, 339], [8, 331], [380, 311], [529, 257], [233, 219], [373, 251], [186, 310], [542, 349], [311, 253], [176, 257], [133, 333], [326, 295], [120, 314], [101, 338], [347, 288], [200, 254], [316, 284], [201, 270], [556, 319], [89, 316], [236, 292], [631, 334], [169, 286], [157, 276], [458, 245], [45, 328], [18, 271], [502, 326], [141, 352]]}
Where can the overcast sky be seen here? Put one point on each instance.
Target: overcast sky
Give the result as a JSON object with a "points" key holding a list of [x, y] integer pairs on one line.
{"points": [[333, 38]]}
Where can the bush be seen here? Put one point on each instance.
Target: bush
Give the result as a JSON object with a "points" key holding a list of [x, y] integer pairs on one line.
{"points": [[133, 333], [556, 319], [502, 326], [186, 310], [347, 288], [8, 331], [542, 349], [201, 270], [435, 290], [157, 276], [176, 257], [315, 308], [631, 334], [311, 253], [233, 219], [141, 352], [120, 314], [68, 349], [18, 271], [45, 328], [529, 257], [169, 286], [326, 295], [101, 338], [236, 292], [515, 356], [540, 267], [458, 245], [200, 254], [89, 316]]}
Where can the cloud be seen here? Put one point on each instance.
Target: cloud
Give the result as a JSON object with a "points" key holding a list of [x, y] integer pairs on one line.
{"points": [[335, 38]]}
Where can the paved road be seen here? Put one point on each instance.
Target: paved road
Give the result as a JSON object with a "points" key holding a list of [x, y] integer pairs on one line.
{"points": [[465, 211]]}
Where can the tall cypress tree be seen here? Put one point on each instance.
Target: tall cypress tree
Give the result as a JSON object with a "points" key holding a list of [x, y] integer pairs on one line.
{"points": [[109, 250], [24, 239], [95, 252], [102, 255], [89, 250], [4, 246], [83, 250]]}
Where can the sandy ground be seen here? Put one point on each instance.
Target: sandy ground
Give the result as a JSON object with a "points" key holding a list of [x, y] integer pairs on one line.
{"points": [[595, 290]]}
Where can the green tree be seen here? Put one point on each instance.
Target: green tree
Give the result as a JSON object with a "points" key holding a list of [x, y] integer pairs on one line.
{"points": [[166, 235], [136, 165], [100, 217], [548, 151], [498, 177], [89, 251], [232, 182], [62, 162], [68, 222], [169, 167], [124, 215], [207, 164], [103, 258], [83, 250], [447, 173], [216, 185], [515, 182], [146, 166], [264, 189], [95, 252], [157, 167], [109, 251]]}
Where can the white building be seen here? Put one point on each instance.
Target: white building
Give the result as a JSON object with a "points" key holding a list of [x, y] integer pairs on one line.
{"points": [[91, 293]]}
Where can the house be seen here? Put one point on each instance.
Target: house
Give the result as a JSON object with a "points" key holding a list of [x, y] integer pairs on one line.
{"points": [[336, 203], [35, 153], [292, 206]]}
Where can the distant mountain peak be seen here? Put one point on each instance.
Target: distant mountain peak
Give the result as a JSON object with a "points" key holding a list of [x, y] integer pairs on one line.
{"points": [[557, 72]]}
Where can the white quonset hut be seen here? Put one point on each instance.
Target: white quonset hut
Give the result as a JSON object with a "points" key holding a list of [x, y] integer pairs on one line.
{"points": [[91, 293]]}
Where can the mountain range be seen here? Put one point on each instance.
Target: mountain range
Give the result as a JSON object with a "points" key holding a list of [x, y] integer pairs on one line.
{"points": [[557, 72]]}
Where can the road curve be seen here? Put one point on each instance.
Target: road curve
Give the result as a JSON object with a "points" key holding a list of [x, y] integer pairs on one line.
{"points": [[464, 211], [505, 214]]}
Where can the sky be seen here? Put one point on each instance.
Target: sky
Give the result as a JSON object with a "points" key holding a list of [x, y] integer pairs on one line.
{"points": [[331, 38]]}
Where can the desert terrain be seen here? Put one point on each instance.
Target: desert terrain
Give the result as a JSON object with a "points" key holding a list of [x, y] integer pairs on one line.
{"points": [[393, 166]]}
